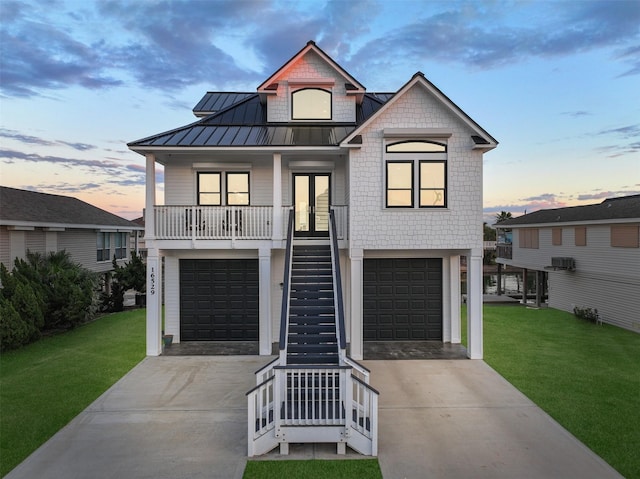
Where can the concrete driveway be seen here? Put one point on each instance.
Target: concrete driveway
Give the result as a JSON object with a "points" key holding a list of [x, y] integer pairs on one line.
{"points": [[185, 417]]}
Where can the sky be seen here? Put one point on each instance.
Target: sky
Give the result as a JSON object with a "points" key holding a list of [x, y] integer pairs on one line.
{"points": [[557, 83]]}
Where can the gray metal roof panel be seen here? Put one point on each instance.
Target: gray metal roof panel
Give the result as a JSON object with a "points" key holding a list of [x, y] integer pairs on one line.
{"points": [[213, 101]]}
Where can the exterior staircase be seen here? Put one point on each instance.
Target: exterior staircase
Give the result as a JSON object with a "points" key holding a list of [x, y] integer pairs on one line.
{"points": [[313, 392]]}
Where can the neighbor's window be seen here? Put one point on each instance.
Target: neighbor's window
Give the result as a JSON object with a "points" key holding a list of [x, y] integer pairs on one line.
{"points": [[528, 238], [581, 235], [311, 104], [121, 245], [103, 246], [209, 189], [556, 236], [406, 160], [625, 236]]}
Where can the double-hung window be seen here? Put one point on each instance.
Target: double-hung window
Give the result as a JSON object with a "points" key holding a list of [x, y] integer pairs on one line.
{"points": [[216, 188], [103, 246], [416, 174], [121, 245]]}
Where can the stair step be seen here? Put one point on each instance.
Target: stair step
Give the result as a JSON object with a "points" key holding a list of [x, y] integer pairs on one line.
{"points": [[307, 359], [320, 279], [298, 310], [312, 294], [312, 319], [316, 349], [312, 339], [309, 302], [313, 328]]}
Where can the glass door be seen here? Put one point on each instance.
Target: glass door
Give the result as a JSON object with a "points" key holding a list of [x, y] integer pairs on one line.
{"points": [[311, 200]]}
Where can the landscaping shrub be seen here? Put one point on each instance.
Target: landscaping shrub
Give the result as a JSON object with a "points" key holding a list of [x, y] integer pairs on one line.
{"points": [[45, 293], [133, 275], [588, 314]]}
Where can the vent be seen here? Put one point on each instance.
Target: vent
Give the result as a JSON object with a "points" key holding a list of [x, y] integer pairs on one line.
{"points": [[563, 263]]}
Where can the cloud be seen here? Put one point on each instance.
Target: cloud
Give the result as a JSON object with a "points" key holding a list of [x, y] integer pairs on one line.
{"points": [[576, 114], [169, 46], [31, 140]]}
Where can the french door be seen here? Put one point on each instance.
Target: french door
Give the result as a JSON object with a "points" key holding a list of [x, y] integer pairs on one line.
{"points": [[311, 192]]}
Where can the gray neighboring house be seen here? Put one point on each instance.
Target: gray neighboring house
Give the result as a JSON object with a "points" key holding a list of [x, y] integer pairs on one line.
{"points": [[43, 223], [591, 255]]}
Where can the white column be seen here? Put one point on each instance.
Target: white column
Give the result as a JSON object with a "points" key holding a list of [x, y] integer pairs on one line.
{"points": [[264, 266], [474, 305], [356, 257], [150, 197], [154, 303], [277, 197], [455, 298]]}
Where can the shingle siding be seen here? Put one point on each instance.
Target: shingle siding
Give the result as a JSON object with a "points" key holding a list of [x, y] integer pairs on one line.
{"points": [[457, 226]]}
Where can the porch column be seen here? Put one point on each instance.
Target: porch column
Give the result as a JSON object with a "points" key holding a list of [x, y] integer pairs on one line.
{"points": [[150, 197], [474, 305], [264, 266], [277, 197], [154, 303], [524, 285], [356, 257], [455, 298]]}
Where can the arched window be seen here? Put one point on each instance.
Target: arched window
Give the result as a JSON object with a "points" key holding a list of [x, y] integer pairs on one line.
{"points": [[407, 160], [311, 104]]}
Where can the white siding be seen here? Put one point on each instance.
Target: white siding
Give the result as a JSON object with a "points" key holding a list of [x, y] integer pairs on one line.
{"points": [[606, 278], [457, 226], [35, 241]]}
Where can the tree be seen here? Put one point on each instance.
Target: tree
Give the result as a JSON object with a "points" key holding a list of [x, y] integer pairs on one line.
{"points": [[489, 233], [133, 275], [503, 215]]}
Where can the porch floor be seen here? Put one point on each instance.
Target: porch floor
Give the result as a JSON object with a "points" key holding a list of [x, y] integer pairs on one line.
{"points": [[378, 350], [413, 350]]}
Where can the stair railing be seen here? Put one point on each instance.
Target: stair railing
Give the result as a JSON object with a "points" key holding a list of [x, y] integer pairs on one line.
{"points": [[286, 291], [337, 287]]}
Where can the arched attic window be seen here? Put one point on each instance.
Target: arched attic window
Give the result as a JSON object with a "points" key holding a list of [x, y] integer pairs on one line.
{"points": [[416, 147], [311, 104]]}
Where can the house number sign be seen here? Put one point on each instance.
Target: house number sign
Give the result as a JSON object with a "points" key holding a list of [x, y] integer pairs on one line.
{"points": [[152, 281]]}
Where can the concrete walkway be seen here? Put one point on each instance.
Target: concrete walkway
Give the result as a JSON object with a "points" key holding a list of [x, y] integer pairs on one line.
{"points": [[185, 417]]}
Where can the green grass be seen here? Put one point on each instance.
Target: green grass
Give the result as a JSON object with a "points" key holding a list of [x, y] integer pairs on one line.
{"points": [[585, 376], [46, 384], [314, 469]]}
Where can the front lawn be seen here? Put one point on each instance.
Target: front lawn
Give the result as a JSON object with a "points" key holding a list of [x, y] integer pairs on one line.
{"points": [[46, 384], [585, 376], [314, 469]]}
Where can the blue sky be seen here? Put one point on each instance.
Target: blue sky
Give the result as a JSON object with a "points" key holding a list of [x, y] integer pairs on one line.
{"points": [[557, 83]]}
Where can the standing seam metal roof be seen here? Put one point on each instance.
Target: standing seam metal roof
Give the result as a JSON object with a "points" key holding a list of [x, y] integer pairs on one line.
{"points": [[244, 123]]}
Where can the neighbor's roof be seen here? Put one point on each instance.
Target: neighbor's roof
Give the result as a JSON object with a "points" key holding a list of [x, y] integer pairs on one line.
{"points": [[622, 208], [29, 208], [244, 124]]}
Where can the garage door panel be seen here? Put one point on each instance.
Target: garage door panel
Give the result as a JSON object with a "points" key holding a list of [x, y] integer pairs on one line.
{"points": [[402, 299], [219, 300]]}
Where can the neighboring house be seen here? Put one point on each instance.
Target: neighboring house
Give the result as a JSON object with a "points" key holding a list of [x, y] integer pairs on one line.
{"points": [[402, 171], [44, 223], [591, 255]]}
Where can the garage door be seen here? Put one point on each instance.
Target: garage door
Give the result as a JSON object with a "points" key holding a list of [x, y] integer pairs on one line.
{"points": [[402, 299], [218, 300]]}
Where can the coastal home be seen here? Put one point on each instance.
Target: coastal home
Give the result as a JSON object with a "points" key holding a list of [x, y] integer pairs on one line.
{"points": [[315, 215], [590, 255], [44, 223]]}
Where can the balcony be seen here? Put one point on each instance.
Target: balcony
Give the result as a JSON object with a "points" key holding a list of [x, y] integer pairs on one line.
{"points": [[504, 251], [192, 222]]}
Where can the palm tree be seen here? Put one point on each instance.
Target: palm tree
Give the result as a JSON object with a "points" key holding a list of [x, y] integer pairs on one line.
{"points": [[503, 215]]}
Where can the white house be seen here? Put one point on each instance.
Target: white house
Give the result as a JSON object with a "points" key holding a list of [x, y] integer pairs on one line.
{"points": [[398, 174], [590, 255], [402, 170], [44, 223]]}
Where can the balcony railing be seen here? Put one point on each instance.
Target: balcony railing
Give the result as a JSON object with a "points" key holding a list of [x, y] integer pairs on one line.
{"points": [[228, 222], [504, 251]]}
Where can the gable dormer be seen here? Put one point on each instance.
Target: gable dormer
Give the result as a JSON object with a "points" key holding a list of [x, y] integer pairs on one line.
{"points": [[311, 88]]}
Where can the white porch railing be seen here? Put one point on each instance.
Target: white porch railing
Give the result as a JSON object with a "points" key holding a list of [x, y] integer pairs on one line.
{"points": [[342, 220], [213, 222], [312, 404]]}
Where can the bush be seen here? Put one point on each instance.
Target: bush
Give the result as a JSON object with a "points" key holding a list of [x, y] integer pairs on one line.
{"points": [[586, 313], [46, 293], [133, 275]]}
